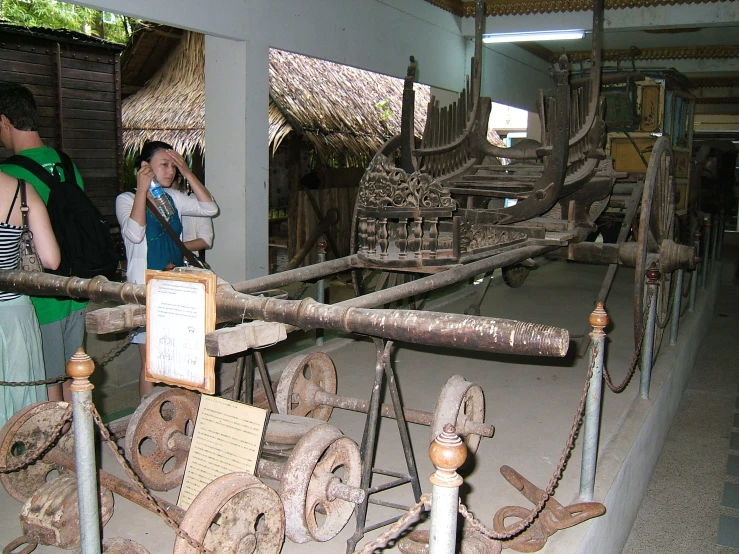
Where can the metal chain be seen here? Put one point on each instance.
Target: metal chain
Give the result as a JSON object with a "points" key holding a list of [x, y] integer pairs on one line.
{"points": [[635, 359], [117, 350], [34, 455], [34, 383], [668, 314], [99, 362], [522, 525], [152, 502], [403, 523]]}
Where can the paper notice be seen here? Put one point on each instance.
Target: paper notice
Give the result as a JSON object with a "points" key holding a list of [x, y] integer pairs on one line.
{"points": [[176, 332], [227, 438]]}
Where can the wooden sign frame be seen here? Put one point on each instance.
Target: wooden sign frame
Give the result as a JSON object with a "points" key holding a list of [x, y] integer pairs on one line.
{"points": [[180, 311]]}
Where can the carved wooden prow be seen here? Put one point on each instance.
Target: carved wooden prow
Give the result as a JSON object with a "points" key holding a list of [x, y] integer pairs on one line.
{"points": [[407, 119]]}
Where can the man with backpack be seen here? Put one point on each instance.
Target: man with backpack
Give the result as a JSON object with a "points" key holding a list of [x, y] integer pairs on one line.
{"points": [[62, 320]]}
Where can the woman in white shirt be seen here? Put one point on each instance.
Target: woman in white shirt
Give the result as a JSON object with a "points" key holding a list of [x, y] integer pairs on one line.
{"points": [[148, 245]]}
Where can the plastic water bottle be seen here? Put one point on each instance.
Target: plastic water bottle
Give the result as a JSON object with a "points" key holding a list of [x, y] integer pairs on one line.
{"points": [[161, 200]]}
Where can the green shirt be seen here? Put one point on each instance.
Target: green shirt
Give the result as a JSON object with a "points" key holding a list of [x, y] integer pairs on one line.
{"points": [[48, 308]]}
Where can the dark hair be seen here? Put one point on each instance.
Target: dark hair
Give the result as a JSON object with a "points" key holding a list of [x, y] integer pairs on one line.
{"points": [[19, 106], [148, 151]]}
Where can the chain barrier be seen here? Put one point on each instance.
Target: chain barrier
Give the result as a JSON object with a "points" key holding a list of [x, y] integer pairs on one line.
{"points": [[524, 524], [403, 523], [36, 454], [100, 362], [153, 505], [637, 354], [668, 314]]}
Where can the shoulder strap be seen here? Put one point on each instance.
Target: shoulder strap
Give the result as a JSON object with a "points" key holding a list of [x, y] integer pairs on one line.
{"points": [[32, 167], [12, 205], [189, 256], [69, 173], [24, 205]]}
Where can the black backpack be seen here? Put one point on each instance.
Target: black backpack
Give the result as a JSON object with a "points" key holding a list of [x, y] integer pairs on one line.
{"points": [[83, 235]]}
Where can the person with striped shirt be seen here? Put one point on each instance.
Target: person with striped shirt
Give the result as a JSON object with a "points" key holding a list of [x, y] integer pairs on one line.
{"points": [[21, 355]]}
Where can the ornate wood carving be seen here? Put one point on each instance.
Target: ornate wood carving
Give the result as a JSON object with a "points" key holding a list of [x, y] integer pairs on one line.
{"points": [[384, 185], [473, 237]]}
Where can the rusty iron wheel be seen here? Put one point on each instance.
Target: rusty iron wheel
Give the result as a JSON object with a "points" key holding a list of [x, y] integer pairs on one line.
{"points": [[515, 275], [29, 427], [250, 517], [319, 458], [459, 401], [656, 224], [160, 415], [300, 380]]}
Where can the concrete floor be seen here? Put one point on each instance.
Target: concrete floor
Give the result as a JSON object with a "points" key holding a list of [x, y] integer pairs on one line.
{"points": [[531, 401]]}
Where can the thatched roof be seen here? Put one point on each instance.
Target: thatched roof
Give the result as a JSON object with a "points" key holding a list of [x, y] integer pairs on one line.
{"points": [[334, 107]]}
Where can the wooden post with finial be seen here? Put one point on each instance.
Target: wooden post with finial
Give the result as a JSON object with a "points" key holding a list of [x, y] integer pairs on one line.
{"points": [[447, 453], [80, 366], [599, 321]]}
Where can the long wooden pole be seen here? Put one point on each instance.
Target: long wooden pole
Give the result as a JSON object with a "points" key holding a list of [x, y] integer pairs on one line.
{"points": [[485, 334]]}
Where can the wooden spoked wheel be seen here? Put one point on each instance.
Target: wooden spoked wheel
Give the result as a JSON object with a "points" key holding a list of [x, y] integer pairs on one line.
{"points": [[656, 224]]}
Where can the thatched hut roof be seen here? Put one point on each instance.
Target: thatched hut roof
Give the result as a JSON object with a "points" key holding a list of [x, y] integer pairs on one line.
{"points": [[341, 111]]}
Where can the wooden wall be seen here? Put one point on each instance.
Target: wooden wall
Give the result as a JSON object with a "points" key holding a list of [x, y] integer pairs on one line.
{"points": [[77, 89]]}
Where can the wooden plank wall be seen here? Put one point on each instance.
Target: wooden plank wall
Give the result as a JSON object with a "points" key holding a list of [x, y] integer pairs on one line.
{"points": [[84, 81]]}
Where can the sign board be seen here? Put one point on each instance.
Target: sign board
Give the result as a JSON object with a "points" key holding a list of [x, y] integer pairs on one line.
{"points": [[228, 438], [181, 309]]}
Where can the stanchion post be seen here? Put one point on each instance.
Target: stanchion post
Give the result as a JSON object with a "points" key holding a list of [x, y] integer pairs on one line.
{"points": [[447, 453], [714, 240], [676, 301], [720, 233], [647, 348], [694, 276], [321, 285], [598, 320], [80, 367], [706, 256]]}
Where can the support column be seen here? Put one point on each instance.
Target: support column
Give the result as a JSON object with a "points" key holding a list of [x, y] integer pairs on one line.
{"points": [[237, 157]]}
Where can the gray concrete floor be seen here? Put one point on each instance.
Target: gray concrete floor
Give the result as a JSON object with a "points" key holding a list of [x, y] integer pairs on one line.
{"points": [[531, 401], [683, 505]]}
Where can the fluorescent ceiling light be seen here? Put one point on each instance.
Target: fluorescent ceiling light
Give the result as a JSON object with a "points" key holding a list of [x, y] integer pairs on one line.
{"points": [[568, 34]]}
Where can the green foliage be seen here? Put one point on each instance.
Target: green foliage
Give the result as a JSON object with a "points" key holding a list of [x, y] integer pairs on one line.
{"points": [[60, 15], [384, 107]]}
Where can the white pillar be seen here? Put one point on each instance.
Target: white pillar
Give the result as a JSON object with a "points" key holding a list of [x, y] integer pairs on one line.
{"points": [[237, 157]]}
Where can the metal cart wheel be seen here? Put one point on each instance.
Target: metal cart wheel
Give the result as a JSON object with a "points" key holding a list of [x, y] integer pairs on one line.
{"points": [[301, 374], [28, 428], [160, 414], [459, 402], [250, 517], [320, 457], [515, 275], [656, 224]]}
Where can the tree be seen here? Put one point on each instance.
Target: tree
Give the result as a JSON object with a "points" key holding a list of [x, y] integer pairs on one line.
{"points": [[60, 15]]}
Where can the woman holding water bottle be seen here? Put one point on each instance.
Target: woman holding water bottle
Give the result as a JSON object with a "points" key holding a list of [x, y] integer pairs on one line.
{"points": [[148, 244]]}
